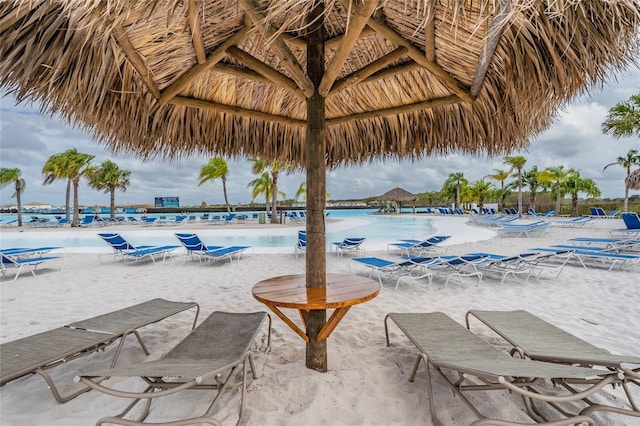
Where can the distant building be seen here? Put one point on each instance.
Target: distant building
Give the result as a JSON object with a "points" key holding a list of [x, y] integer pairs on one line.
{"points": [[167, 201]]}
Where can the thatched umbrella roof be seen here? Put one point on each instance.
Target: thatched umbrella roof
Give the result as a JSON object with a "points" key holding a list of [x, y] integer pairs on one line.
{"points": [[312, 82], [397, 194], [633, 180], [172, 77]]}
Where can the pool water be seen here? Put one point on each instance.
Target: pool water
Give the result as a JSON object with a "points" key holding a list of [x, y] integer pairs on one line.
{"points": [[379, 230]]}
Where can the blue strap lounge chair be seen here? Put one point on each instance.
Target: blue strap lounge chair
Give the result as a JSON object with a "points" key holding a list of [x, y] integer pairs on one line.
{"points": [[348, 245], [414, 247], [301, 243], [528, 229], [21, 259], [196, 248], [194, 245], [227, 252], [130, 253], [632, 222], [87, 221], [389, 269]]}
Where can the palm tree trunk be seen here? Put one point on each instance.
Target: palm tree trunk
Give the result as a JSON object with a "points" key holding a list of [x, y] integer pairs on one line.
{"points": [[76, 206], [19, 201], [274, 198], [626, 197], [68, 199], [112, 192], [574, 205], [519, 192], [558, 200], [224, 190]]}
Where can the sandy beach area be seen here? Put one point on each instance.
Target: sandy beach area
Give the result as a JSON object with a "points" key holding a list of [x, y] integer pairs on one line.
{"points": [[367, 382]]}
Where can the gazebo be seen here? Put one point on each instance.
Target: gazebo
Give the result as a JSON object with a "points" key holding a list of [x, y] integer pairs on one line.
{"points": [[399, 195], [313, 83]]}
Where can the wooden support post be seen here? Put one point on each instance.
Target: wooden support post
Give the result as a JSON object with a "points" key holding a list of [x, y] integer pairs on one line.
{"points": [[316, 269]]}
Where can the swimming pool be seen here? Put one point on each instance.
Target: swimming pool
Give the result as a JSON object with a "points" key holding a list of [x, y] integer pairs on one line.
{"points": [[379, 230]]}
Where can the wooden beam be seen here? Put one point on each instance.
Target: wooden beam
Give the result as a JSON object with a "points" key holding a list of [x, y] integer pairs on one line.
{"points": [[135, 60], [430, 33], [280, 48], [276, 77], [361, 15], [491, 43], [361, 74], [230, 109], [196, 31], [431, 103], [215, 57], [417, 55]]}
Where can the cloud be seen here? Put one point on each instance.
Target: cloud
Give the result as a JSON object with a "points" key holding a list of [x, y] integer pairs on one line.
{"points": [[574, 140]]}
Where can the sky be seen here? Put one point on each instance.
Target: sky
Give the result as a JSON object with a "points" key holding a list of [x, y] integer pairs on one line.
{"points": [[574, 140]]}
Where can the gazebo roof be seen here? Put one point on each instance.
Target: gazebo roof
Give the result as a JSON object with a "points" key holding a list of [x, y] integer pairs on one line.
{"points": [[397, 194], [229, 77]]}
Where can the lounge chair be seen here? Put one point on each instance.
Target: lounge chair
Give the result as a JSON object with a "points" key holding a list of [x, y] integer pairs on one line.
{"points": [[535, 338], [38, 353], [415, 247], [632, 221], [196, 248], [574, 222], [130, 253], [389, 269], [533, 213], [537, 229], [207, 359], [87, 221], [348, 245], [443, 344], [301, 243], [19, 261], [618, 245], [194, 245]]}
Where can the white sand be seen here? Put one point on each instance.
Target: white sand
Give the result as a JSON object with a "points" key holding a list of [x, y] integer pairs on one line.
{"points": [[367, 382]]}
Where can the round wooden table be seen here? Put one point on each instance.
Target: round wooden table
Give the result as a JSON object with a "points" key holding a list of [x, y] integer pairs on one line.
{"points": [[289, 291]]}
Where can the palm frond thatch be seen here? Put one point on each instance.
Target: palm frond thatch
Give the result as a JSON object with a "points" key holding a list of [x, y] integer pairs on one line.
{"points": [[633, 180], [171, 77]]}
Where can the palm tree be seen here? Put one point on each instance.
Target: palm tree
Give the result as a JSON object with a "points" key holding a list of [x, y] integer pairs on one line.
{"points": [[259, 166], [501, 176], [55, 168], [517, 162], [13, 176], [480, 190], [554, 176], [302, 191], [574, 184], [631, 159], [454, 183], [264, 185], [530, 178], [624, 118], [214, 169], [75, 167], [109, 177]]}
